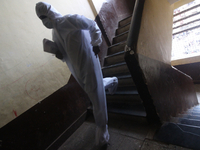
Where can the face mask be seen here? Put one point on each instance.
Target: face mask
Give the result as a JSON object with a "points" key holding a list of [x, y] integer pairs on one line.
{"points": [[47, 23]]}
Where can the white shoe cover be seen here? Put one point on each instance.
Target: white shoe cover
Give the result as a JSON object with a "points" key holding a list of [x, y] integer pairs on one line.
{"points": [[102, 135], [111, 84]]}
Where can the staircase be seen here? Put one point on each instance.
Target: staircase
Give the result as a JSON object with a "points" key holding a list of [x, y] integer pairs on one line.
{"points": [[126, 99], [183, 130]]}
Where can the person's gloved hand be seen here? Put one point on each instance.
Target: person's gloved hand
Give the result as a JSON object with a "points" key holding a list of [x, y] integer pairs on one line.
{"points": [[96, 50], [59, 55], [96, 39]]}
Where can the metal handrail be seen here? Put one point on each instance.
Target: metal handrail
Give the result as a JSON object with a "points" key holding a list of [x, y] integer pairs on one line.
{"points": [[135, 26]]}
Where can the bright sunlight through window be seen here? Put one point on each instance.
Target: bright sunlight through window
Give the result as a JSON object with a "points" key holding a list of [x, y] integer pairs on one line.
{"points": [[186, 31]]}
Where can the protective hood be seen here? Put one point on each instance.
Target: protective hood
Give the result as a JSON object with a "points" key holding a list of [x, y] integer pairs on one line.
{"points": [[47, 13]]}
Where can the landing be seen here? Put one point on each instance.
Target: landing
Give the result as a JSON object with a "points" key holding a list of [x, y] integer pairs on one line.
{"points": [[126, 133]]}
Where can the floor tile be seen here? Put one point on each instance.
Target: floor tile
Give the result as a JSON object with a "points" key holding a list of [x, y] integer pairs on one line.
{"points": [[130, 144], [154, 145], [126, 133], [115, 141]]}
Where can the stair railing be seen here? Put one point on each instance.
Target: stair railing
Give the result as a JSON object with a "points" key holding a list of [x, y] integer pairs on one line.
{"points": [[135, 27], [132, 62]]}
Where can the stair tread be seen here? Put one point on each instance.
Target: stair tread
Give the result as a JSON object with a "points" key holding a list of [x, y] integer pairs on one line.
{"points": [[173, 134], [128, 109], [115, 65], [123, 21], [117, 44], [125, 18], [118, 47], [124, 26], [122, 29], [121, 35], [124, 98], [124, 92], [190, 122], [115, 54], [189, 126]]}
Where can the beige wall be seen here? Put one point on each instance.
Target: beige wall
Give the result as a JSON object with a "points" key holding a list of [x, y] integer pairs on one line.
{"points": [[172, 1], [27, 74], [155, 38], [96, 5]]}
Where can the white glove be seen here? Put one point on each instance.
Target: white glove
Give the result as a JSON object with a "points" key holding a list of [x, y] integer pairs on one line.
{"points": [[96, 39]]}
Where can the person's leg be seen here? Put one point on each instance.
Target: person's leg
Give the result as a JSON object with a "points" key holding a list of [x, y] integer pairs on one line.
{"points": [[101, 118], [96, 93], [94, 87]]}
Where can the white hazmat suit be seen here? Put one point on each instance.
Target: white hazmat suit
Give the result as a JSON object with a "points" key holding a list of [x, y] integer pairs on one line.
{"points": [[74, 35]]}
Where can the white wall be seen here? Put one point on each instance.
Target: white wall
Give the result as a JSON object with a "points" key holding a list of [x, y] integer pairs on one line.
{"points": [[27, 74]]}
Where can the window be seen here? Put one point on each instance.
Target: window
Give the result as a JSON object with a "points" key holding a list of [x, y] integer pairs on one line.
{"points": [[186, 31]]}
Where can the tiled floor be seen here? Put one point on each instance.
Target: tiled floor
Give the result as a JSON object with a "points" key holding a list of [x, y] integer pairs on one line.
{"points": [[126, 133]]}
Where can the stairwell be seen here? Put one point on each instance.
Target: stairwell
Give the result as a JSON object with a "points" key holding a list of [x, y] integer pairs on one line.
{"points": [[183, 130], [126, 100], [138, 99]]}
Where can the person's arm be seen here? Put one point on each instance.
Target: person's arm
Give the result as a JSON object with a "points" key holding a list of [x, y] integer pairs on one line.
{"points": [[84, 23], [52, 48]]}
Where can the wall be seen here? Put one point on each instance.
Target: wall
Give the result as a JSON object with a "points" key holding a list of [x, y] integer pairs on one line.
{"points": [[96, 5], [156, 30], [111, 13], [192, 69], [49, 123], [28, 75]]}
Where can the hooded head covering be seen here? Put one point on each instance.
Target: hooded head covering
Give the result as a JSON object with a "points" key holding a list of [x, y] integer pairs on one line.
{"points": [[47, 13]]}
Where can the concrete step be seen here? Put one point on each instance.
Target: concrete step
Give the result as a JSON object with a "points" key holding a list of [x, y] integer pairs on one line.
{"points": [[133, 92], [191, 117], [189, 122], [119, 47], [190, 128], [124, 98], [128, 90], [127, 109], [196, 113], [125, 21], [178, 134], [196, 109], [120, 38], [115, 70], [114, 59], [123, 29], [124, 81]]}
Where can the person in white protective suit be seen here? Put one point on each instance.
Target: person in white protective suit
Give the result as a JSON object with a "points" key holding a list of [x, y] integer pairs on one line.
{"points": [[73, 39]]}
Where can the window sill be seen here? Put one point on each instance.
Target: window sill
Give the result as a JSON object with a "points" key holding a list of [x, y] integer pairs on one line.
{"points": [[188, 60]]}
